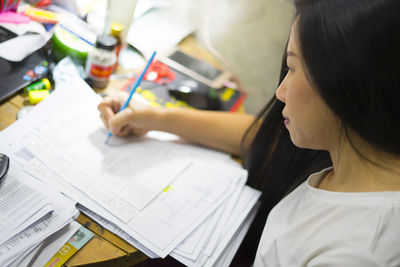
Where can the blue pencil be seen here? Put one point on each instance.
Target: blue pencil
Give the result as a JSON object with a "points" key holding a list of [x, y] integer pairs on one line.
{"points": [[76, 35], [135, 86]]}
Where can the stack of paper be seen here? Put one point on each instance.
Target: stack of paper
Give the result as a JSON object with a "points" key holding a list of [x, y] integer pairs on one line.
{"points": [[161, 195], [30, 212]]}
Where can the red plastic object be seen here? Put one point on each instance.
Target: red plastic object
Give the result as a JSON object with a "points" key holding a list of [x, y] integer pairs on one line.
{"points": [[43, 3], [163, 75]]}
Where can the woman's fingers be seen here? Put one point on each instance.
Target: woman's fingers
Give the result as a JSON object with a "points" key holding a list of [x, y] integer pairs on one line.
{"points": [[121, 122]]}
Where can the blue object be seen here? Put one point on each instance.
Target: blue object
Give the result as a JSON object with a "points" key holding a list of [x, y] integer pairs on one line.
{"points": [[135, 86], [27, 77], [39, 70], [76, 35]]}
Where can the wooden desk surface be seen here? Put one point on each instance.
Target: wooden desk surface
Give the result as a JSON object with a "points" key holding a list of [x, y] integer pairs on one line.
{"points": [[105, 249]]}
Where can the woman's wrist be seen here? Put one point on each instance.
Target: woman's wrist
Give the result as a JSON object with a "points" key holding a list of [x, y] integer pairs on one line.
{"points": [[156, 119], [166, 119]]}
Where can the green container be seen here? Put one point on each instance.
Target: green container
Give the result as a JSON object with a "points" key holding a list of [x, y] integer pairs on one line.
{"points": [[68, 44], [39, 85]]}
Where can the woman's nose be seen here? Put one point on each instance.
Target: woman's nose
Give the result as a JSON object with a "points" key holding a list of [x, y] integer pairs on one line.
{"points": [[281, 91]]}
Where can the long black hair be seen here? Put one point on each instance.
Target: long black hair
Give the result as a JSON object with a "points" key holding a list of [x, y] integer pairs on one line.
{"points": [[276, 166], [351, 50]]}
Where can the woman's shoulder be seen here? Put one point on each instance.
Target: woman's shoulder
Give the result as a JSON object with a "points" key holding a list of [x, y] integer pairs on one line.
{"points": [[312, 229], [310, 222]]}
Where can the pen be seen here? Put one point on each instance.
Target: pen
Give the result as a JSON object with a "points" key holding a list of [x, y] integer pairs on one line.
{"points": [[135, 86], [76, 35]]}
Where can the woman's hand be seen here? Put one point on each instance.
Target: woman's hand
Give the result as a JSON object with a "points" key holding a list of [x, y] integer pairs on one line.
{"points": [[215, 129], [136, 118]]}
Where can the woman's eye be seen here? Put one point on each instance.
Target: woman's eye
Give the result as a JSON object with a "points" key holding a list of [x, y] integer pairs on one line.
{"points": [[289, 67]]}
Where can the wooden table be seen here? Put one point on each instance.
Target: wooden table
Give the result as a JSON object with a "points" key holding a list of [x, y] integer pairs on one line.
{"points": [[106, 248]]}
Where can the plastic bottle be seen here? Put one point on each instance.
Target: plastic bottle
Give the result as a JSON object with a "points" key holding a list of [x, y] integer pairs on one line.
{"points": [[101, 61], [120, 11], [116, 30]]}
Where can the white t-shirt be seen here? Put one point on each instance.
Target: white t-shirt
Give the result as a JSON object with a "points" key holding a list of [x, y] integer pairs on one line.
{"points": [[314, 227]]}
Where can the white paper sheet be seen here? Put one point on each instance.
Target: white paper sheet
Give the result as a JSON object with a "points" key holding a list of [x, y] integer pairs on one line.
{"points": [[54, 243], [64, 210], [177, 212], [227, 256], [41, 171], [186, 249], [245, 204], [18, 203], [195, 242], [249, 196], [116, 175], [39, 255], [32, 235], [231, 205]]}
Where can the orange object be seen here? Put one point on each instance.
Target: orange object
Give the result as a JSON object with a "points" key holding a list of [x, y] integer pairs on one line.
{"points": [[42, 16]]}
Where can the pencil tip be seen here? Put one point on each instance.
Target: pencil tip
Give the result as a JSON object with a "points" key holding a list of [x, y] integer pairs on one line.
{"points": [[108, 138]]}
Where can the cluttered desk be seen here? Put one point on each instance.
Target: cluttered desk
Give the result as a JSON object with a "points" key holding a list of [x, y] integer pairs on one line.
{"points": [[68, 198]]}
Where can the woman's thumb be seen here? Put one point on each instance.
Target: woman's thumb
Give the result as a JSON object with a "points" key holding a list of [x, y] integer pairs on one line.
{"points": [[120, 122]]}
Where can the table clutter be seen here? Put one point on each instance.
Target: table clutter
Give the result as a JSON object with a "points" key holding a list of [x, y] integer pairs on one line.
{"points": [[159, 193]]}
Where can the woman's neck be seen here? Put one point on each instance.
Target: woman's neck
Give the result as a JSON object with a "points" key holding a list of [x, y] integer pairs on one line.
{"points": [[376, 171]]}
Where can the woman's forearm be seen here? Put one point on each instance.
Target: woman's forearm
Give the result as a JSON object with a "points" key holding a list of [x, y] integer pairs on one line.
{"points": [[215, 129]]}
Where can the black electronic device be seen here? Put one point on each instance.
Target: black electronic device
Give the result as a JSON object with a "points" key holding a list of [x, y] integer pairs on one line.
{"points": [[16, 75], [183, 90], [6, 34], [195, 94], [4, 164]]}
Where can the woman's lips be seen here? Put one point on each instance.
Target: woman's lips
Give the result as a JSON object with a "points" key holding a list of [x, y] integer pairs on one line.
{"points": [[286, 121]]}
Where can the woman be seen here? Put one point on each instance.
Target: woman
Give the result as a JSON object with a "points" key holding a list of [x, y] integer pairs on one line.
{"points": [[326, 150]]}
